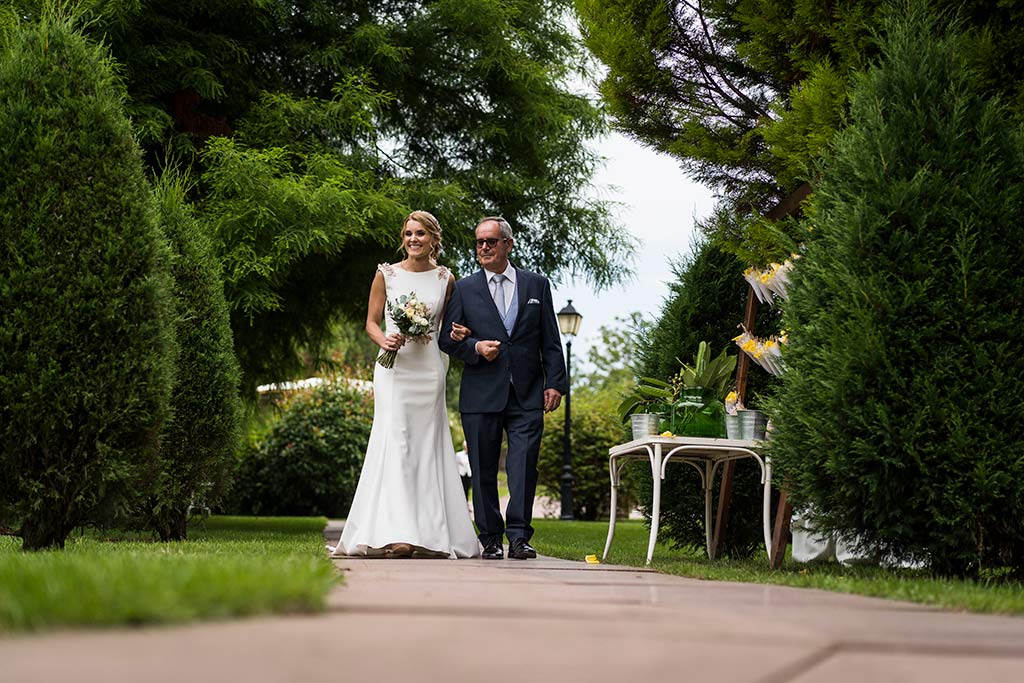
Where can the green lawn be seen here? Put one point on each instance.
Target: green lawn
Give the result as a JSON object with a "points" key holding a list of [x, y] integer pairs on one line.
{"points": [[234, 566], [576, 540]]}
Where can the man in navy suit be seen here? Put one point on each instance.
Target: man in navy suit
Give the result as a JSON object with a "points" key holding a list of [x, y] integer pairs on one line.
{"points": [[514, 373]]}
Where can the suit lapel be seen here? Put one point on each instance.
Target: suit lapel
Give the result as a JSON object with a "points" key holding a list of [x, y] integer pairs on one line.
{"points": [[520, 298]]}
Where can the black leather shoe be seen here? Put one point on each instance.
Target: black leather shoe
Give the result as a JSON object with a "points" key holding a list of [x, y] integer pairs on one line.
{"points": [[519, 549], [493, 552]]}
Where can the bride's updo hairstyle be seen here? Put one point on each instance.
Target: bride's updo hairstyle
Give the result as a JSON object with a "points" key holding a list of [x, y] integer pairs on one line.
{"points": [[433, 227]]}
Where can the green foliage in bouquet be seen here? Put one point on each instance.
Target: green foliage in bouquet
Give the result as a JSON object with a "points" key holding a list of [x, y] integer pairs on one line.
{"points": [[309, 463], [86, 330], [899, 417]]}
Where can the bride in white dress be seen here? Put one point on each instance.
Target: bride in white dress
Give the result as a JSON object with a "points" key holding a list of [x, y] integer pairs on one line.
{"points": [[410, 500]]}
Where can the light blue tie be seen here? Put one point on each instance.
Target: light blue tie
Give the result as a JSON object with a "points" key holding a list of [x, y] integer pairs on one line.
{"points": [[508, 317], [499, 293]]}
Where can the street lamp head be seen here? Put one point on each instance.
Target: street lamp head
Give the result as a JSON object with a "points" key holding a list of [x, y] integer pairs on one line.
{"points": [[569, 320]]}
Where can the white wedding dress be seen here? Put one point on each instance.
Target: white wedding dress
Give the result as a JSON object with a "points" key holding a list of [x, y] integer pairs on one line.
{"points": [[409, 490]]}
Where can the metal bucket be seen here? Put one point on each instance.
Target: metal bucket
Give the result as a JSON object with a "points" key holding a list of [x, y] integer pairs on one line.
{"points": [[753, 424], [732, 427], [644, 424]]}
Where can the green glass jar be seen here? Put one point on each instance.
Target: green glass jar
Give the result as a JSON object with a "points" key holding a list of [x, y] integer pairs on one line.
{"points": [[695, 414], [709, 421]]}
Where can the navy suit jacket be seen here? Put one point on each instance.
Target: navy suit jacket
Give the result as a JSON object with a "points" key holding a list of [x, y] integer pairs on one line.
{"points": [[531, 358]]}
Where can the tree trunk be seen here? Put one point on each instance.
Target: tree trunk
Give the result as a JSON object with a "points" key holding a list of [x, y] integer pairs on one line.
{"points": [[45, 531], [171, 525]]}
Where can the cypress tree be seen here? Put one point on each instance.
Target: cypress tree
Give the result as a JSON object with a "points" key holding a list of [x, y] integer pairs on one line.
{"points": [[900, 415], [86, 345], [201, 437]]}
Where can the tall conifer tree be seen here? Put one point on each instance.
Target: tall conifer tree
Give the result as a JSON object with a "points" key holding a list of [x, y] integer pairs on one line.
{"points": [[900, 414], [86, 345]]}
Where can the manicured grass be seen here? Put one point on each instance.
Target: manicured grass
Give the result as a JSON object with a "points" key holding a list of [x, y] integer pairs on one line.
{"points": [[233, 566], [576, 540]]}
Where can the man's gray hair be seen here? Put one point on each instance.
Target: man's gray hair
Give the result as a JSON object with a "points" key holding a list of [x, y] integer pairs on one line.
{"points": [[503, 226]]}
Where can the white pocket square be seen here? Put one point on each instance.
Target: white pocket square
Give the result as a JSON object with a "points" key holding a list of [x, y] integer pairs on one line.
{"points": [[533, 301]]}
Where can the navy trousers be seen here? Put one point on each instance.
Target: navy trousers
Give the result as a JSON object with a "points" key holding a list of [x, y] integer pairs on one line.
{"points": [[483, 440]]}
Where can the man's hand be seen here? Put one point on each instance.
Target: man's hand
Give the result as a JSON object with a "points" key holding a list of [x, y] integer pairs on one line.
{"points": [[460, 332], [552, 398], [488, 349]]}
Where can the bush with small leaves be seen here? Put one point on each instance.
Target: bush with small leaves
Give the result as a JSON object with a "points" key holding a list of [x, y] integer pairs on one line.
{"points": [[596, 427], [310, 461]]}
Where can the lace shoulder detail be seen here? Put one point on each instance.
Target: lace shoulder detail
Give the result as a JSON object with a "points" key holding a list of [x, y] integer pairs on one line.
{"points": [[442, 273], [387, 269]]}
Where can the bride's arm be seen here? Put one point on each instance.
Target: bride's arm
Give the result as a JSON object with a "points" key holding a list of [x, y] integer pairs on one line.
{"points": [[458, 332], [375, 314], [464, 349]]}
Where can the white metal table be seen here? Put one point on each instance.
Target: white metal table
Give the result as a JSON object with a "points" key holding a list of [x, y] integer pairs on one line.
{"points": [[704, 455]]}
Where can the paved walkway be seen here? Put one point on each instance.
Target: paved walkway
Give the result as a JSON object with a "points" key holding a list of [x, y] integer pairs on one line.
{"points": [[545, 620]]}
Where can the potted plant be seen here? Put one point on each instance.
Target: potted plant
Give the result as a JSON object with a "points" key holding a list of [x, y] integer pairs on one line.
{"points": [[699, 409], [645, 404], [687, 404]]}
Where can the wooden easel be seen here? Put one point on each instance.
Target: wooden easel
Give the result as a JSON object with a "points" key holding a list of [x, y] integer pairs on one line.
{"points": [[784, 511]]}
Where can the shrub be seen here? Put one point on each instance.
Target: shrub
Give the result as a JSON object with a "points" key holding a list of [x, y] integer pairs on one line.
{"points": [[900, 414], [595, 428], [707, 301], [86, 343], [199, 441], [309, 463]]}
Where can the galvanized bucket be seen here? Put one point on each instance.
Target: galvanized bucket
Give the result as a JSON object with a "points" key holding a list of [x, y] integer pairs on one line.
{"points": [[753, 424], [732, 427], [644, 424]]}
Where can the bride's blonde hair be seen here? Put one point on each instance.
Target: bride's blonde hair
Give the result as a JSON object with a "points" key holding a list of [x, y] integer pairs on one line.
{"points": [[433, 227]]}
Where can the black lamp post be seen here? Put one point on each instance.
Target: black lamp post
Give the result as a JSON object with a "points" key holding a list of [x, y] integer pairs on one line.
{"points": [[569, 324]]}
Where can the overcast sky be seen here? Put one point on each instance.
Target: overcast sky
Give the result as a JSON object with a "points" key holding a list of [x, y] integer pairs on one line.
{"points": [[659, 207]]}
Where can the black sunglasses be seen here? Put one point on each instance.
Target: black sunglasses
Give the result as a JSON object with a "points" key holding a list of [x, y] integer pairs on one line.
{"points": [[489, 241]]}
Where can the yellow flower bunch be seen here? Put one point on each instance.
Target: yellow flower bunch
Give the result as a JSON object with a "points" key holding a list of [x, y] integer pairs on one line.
{"points": [[773, 280], [766, 352], [732, 403]]}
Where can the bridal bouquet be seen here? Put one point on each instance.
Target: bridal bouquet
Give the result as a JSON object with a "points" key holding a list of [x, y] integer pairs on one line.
{"points": [[412, 317]]}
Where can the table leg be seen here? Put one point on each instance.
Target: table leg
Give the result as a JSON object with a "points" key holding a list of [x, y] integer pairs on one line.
{"points": [[767, 513], [723, 504], [611, 518], [656, 502], [707, 510], [780, 539]]}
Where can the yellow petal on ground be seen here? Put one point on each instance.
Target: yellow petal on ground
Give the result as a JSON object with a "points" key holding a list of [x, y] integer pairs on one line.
{"points": [[592, 559]]}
